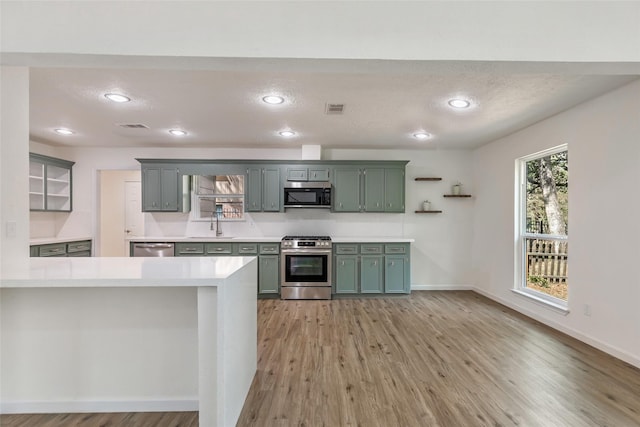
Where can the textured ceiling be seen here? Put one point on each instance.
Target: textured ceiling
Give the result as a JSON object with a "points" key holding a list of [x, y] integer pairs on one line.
{"points": [[384, 104]]}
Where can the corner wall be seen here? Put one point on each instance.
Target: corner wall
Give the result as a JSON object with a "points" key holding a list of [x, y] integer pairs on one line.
{"points": [[603, 136]]}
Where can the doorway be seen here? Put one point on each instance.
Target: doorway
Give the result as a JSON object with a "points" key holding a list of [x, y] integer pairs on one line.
{"points": [[121, 214]]}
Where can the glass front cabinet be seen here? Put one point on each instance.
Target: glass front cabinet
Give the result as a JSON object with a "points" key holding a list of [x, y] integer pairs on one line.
{"points": [[50, 184]]}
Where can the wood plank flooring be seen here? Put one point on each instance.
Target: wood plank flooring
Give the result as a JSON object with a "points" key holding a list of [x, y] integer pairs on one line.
{"points": [[431, 359]]}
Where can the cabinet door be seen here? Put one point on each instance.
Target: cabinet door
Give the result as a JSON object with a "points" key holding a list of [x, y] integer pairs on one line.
{"points": [[346, 191], [394, 190], [268, 274], [151, 190], [318, 174], [371, 274], [346, 274], [271, 190], [254, 190], [169, 189], [396, 274], [374, 190], [297, 174]]}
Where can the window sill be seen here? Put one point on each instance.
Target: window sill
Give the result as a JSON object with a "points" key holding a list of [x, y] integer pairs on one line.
{"points": [[545, 302]]}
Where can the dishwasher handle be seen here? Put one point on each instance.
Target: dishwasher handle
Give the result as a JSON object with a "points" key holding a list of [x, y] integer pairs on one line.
{"points": [[153, 245]]}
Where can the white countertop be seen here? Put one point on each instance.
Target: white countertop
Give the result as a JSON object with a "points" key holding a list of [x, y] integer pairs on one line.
{"points": [[54, 272], [48, 240], [205, 239], [268, 239]]}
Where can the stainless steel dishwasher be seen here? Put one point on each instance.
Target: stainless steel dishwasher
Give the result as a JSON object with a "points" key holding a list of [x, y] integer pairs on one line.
{"points": [[153, 249]]}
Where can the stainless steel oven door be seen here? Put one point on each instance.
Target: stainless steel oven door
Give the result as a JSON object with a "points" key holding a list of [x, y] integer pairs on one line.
{"points": [[305, 267]]}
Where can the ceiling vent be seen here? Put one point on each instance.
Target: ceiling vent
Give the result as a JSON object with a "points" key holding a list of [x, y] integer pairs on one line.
{"points": [[133, 126], [334, 108]]}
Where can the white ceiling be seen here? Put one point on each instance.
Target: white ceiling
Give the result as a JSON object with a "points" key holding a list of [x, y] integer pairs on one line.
{"points": [[385, 103]]}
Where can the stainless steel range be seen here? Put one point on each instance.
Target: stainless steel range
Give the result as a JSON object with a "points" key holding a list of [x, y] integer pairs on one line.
{"points": [[305, 267]]}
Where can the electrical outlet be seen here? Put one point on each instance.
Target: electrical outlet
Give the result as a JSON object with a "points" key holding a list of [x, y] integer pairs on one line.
{"points": [[587, 310]]}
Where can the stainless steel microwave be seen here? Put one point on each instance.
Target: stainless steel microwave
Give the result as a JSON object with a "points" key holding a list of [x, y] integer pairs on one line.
{"points": [[307, 195]]}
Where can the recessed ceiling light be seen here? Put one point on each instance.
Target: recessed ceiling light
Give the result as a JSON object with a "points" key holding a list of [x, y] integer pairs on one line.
{"points": [[422, 135], [63, 131], [177, 132], [459, 103], [287, 133], [116, 97], [273, 99]]}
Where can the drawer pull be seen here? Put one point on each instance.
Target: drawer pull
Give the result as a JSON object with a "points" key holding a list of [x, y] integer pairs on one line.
{"points": [[189, 250], [219, 249]]}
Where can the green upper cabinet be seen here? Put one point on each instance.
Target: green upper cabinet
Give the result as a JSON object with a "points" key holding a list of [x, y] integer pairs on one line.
{"points": [[254, 189], [271, 190], [346, 190], [374, 190], [161, 189], [263, 189], [383, 190], [394, 190], [303, 173], [50, 184]]}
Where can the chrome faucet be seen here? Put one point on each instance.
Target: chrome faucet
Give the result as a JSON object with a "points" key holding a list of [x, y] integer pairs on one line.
{"points": [[218, 227]]}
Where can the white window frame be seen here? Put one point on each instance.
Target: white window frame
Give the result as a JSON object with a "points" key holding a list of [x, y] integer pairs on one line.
{"points": [[521, 234], [194, 214]]}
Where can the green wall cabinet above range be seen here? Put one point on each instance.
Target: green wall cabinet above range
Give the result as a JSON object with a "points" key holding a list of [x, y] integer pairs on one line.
{"points": [[312, 173], [371, 268], [50, 184]]}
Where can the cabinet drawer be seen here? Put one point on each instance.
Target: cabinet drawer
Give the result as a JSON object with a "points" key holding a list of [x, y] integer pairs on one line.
{"points": [[346, 249], [57, 249], [370, 249], [270, 248], [189, 249], [247, 248], [78, 246], [219, 248], [80, 254], [397, 248]]}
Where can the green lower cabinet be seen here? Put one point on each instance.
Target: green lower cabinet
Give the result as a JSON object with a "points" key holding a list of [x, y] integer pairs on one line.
{"points": [[268, 274], [81, 248], [396, 275], [371, 274], [346, 274]]}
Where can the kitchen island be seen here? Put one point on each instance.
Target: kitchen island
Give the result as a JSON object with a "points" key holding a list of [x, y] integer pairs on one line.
{"points": [[129, 334]]}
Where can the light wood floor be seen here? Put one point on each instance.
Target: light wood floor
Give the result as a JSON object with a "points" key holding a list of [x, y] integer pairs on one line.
{"points": [[433, 359]]}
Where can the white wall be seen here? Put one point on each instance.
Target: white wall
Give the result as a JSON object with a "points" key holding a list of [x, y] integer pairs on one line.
{"points": [[14, 164], [604, 230]]}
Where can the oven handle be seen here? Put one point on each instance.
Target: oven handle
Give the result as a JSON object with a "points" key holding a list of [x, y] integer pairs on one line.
{"points": [[305, 251]]}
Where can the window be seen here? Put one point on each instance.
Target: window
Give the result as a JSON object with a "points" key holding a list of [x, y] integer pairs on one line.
{"points": [[543, 225], [218, 195]]}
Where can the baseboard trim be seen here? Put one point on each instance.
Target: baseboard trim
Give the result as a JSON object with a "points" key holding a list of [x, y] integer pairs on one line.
{"points": [[442, 288], [75, 406], [609, 349]]}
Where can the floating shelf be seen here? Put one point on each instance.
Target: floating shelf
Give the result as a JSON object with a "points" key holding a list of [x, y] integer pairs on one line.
{"points": [[428, 179], [428, 212], [457, 195]]}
